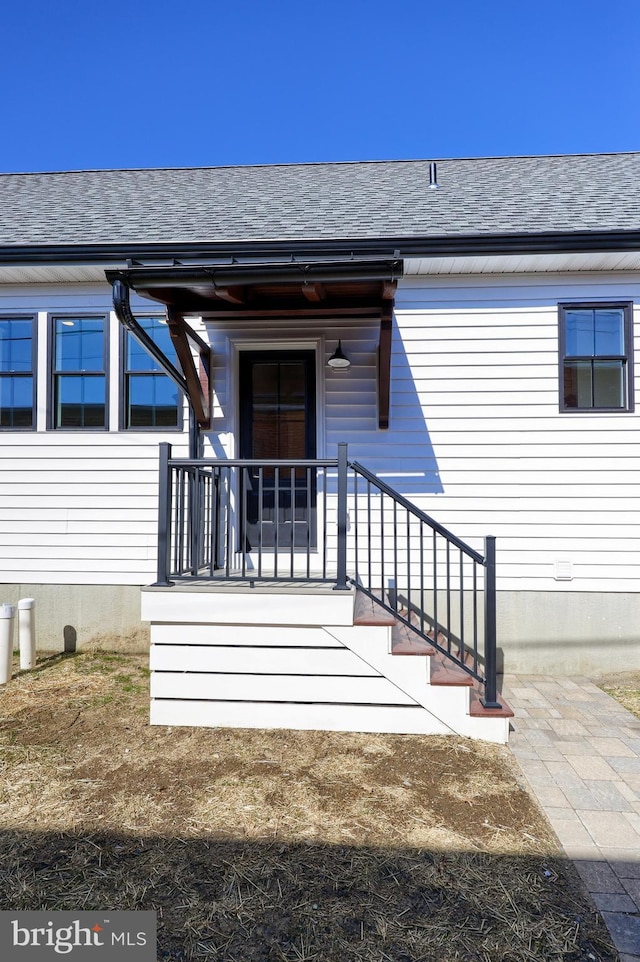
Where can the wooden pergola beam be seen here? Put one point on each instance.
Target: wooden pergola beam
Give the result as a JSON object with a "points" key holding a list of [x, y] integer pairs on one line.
{"points": [[389, 290]]}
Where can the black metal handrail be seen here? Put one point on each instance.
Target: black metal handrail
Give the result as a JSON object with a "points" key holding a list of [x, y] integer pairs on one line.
{"points": [[318, 519], [249, 519], [426, 576]]}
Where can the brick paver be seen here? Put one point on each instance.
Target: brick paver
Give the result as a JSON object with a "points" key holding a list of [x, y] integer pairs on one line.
{"points": [[580, 753]]}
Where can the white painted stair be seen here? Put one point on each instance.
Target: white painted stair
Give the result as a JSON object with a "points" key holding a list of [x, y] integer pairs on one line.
{"points": [[302, 657]]}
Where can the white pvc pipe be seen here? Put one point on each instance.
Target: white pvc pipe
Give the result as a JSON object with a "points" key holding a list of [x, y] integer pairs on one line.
{"points": [[7, 614], [27, 632]]}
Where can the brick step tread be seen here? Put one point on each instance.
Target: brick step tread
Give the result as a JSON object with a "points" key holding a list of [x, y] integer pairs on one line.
{"points": [[369, 612]]}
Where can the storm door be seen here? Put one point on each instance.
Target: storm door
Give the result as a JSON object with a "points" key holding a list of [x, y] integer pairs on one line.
{"points": [[278, 421]]}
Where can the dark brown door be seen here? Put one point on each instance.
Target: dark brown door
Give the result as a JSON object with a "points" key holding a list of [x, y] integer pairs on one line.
{"points": [[278, 421]]}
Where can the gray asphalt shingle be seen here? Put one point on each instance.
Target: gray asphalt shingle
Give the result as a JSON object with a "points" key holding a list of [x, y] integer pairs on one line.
{"points": [[502, 195]]}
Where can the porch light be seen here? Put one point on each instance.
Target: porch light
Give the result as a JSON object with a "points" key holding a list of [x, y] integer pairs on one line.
{"points": [[339, 360]]}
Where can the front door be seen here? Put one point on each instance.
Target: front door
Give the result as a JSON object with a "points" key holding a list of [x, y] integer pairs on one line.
{"points": [[278, 421]]}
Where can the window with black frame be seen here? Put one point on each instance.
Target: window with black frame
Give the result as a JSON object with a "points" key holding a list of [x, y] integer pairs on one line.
{"points": [[79, 386], [151, 399], [17, 382], [596, 362]]}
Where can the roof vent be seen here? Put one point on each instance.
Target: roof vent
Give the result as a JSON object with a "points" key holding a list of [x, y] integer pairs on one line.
{"points": [[433, 176]]}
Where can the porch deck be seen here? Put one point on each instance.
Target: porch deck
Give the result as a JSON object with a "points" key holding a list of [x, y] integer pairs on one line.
{"points": [[305, 625]]}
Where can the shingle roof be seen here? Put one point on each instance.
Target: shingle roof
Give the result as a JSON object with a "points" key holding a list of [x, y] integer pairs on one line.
{"points": [[500, 195]]}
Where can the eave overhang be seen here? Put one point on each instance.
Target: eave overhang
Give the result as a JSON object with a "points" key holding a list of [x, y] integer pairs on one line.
{"points": [[402, 245], [237, 287]]}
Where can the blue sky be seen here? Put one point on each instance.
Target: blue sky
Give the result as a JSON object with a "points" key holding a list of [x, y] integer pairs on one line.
{"points": [[153, 84]]}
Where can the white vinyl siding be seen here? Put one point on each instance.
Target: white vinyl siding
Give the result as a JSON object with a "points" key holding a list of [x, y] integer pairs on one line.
{"points": [[77, 507], [483, 355], [475, 439]]}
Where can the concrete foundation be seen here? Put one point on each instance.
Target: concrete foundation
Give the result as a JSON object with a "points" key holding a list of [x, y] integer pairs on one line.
{"points": [[74, 616], [561, 633], [554, 633]]}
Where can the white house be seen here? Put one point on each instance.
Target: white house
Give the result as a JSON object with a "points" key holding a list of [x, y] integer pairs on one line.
{"points": [[486, 309]]}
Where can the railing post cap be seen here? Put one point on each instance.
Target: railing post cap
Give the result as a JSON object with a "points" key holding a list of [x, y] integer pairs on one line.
{"points": [[26, 603], [7, 611]]}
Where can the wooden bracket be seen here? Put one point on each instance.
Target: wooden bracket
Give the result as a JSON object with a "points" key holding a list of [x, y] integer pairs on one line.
{"points": [[198, 382], [314, 292]]}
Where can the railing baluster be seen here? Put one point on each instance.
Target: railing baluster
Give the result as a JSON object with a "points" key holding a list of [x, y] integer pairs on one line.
{"points": [[395, 555], [355, 527], [325, 509], [421, 532], [369, 544], [448, 571], [292, 479], [244, 487], [475, 616], [435, 588], [490, 699], [215, 494], [164, 515], [382, 591], [341, 576], [228, 520], [180, 545], [308, 524], [260, 517], [409, 564], [277, 521], [461, 604]]}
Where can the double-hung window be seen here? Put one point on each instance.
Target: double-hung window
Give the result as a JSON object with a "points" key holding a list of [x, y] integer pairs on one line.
{"points": [[17, 383], [151, 399], [79, 386], [596, 362]]}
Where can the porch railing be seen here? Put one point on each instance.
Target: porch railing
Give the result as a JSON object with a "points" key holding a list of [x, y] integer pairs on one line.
{"points": [[330, 520]]}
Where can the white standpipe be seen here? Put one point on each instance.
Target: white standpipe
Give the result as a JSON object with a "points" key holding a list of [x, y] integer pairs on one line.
{"points": [[27, 632], [7, 614]]}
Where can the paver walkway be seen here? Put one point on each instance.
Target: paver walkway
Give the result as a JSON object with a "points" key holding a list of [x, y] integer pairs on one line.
{"points": [[580, 752]]}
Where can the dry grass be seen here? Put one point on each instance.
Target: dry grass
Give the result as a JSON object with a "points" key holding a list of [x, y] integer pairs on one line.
{"points": [[278, 846], [625, 688]]}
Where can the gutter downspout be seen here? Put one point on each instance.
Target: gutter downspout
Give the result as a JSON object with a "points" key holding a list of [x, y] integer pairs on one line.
{"points": [[122, 307]]}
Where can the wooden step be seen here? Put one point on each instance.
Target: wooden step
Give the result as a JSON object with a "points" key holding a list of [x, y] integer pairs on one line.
{"points": [[369, 612], [477, 709], [407, 642], [445, 672]]}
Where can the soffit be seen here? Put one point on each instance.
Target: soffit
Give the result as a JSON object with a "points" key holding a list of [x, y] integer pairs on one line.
{"points": [[562, 261]]}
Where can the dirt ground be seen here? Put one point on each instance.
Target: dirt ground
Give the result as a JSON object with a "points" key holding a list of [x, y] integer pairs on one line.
{"points": [[257, 846]]}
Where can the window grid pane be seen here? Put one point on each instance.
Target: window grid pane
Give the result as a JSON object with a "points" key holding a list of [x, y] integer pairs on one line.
{"points": [[16, 401], [80, 382], [151, 398], [596, 358], [80, 401], [16, 373]]}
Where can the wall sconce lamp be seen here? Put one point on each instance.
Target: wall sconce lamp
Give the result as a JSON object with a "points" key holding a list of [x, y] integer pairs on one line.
{"points": [[338, 360]]}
